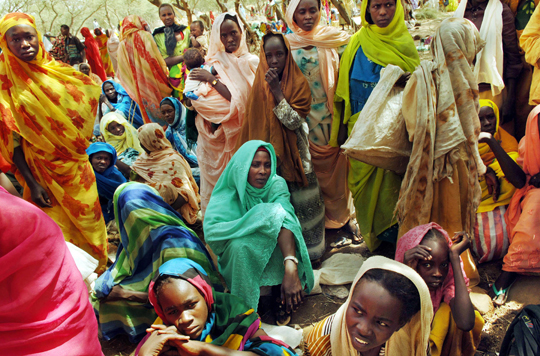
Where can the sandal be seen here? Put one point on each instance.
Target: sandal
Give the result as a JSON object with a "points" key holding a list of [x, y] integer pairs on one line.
{"points": [[341, 242], [357, 237], [281, 316], [501, 295]]}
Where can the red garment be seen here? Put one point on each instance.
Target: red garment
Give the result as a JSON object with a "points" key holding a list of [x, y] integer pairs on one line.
{"points": [[4, 165], [92, 54]]}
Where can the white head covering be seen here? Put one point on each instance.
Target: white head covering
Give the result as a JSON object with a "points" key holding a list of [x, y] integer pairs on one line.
{"points": [[410, 340]]}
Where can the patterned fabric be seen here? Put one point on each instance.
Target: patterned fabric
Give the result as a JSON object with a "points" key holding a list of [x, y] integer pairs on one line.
{"points": [[510, 146], [52, 107], [163, 166], [412, 239], [48, 314], [101, 41], [177, 72], [112, 48], [58, 51], [125, 104], [108, 181], [230, 323], [176, 133], [243, 223], [152, 233], [93, 55], [529, 42], [490, 241], [129, 139], [521, 217], [141, 69], [215, 146]]}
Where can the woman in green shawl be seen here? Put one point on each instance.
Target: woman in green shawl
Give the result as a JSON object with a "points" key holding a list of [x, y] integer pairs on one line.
{"points": [[251, 225], [382, 40]]}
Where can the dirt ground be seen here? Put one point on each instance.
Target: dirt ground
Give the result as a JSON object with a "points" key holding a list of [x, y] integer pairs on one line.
{"points": [[315, 308]]}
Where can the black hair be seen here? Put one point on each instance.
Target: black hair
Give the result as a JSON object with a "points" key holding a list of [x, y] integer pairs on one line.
{"points": [[233, 18], [399, 287], [161, 281], [65, 27], [96, 31], [164, 5], [193, 58], [276, 35], [434, 234], [200, 23]]}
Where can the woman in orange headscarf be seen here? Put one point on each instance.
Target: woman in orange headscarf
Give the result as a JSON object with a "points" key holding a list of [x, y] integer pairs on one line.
{"points": [[47, 112], [101, 40], [141, 69], [92, 53]]}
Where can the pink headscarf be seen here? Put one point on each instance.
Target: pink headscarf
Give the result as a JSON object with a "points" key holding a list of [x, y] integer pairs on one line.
{"points": [[44, 305], [326, 39], [412, 239]]}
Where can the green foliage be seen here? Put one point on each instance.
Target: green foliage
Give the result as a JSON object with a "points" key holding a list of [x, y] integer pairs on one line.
{"points": [[426, 13]]}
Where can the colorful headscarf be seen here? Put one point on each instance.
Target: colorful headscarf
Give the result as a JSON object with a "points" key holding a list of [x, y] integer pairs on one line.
{"points": [[412, 239], [261, 123], [176, 132], [167, 171], [108, 181], [412, 339], [327, 39], [230, 322], [52, 107], [129, 139], [141, 68], [125, 104], [92, 53], [151, 233], [510, 146]]}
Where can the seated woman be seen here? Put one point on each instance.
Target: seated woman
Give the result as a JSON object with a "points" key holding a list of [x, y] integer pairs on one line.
{"points": [[388, 312], [123, 137], [164, 169], [456, 327], [523, 225], [499, 151], [116, 99], [176, 115], [103, 159], [152, 233], [276, 112], [85, 68], [46, 311], [214, 323], [251, 226]]}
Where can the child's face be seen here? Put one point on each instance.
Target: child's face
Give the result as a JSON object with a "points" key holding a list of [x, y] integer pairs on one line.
{"points": [[434, 271], [196, 30], [372, 316], [276, 54]]}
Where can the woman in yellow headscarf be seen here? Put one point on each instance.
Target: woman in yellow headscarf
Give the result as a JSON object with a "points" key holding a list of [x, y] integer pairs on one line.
{"points": [[382, 40], [117, 132], [47, 112], [499, 152]]}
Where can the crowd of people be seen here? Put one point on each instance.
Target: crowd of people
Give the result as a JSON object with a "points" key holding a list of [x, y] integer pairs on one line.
{"points": [[163, 132]]}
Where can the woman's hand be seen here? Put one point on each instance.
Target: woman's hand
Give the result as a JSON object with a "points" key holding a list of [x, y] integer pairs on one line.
{"points": [[185, 346], [461, 244], [484, 137], [402, 81], [272, 78], [493, 185], [291, 287], [419, 252], [201, 75], [40, 196], [161, 342]]}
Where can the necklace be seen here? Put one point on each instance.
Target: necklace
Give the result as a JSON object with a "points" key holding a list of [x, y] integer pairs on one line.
{"points": [[381, 352]]}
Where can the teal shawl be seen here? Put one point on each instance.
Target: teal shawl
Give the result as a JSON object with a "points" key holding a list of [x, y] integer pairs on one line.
{"points": [[242, 224]]}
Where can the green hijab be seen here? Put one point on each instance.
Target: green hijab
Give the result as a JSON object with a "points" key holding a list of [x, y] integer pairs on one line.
{"points": [[242, 218], [392, 44]]}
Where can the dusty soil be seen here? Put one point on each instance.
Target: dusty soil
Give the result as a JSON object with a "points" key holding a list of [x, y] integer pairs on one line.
{"points": [[315, 308]]}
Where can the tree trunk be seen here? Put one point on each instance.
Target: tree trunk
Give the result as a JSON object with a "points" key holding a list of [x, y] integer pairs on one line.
{"points": [[340, 6], [221, 6], [251, 37], [184, 6], [206, 20]]}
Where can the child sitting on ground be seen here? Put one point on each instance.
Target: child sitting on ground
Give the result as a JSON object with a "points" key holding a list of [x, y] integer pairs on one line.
{"points": [[456, 327], [193, 88]]}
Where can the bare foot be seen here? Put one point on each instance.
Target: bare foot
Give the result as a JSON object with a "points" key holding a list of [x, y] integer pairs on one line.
{"points": [[354, 229]]}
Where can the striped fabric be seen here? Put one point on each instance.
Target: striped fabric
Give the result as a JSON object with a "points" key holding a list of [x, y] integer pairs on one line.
{"points": [[490, 236], [152, 233], [317, 342]]}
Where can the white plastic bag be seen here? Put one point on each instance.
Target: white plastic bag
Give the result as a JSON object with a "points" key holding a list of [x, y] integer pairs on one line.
{"points": [[339, 269], [379, 136]]}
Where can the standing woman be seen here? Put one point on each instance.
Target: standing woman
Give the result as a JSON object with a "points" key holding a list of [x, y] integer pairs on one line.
{"points": [[172, 39], [141, 69], [276, 112], [47, 115], [382, 40], [102, 41], [221, 112], [112, 47], [92, 54], [315, 50]]}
